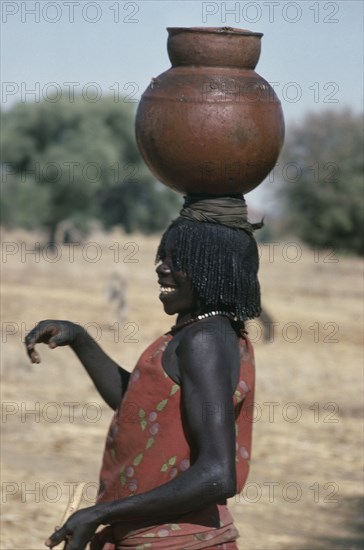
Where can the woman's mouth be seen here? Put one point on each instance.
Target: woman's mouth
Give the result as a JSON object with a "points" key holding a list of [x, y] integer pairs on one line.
{"points": [[165, 290]]}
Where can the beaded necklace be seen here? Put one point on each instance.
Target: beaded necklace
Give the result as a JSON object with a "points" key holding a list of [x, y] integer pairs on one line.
{"points": [[179, 326]]}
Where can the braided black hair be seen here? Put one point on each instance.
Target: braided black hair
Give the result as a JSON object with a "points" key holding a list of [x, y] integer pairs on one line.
{"points": [[222, 263]]}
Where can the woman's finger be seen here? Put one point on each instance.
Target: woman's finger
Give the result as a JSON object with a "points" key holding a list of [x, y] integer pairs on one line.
{"points": [[57, 537]]}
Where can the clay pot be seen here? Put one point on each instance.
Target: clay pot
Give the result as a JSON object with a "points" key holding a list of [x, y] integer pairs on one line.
{"points": [[210, 124]]}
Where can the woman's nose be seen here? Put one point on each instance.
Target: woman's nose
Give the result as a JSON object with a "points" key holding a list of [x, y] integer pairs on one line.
{"points": [[163, 269]]}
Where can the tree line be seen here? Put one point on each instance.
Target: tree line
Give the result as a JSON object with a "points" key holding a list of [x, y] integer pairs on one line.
{"points": [[321, 181], [78, 162]]}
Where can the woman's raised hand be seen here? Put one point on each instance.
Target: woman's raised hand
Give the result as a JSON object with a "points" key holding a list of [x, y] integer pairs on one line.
{"points": [[53, 333]]}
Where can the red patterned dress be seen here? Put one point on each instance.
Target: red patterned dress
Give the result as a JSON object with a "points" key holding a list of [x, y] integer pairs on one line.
{"points": [[147, 446]]}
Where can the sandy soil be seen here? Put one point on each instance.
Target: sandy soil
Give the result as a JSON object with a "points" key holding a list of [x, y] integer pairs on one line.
{"points": [[305, 486]]}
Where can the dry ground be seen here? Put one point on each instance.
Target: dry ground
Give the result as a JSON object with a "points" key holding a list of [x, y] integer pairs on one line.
{"points": [[305, 487]]}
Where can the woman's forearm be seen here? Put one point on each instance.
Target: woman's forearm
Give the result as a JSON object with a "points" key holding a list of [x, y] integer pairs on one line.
{"points": [[195, 489]]}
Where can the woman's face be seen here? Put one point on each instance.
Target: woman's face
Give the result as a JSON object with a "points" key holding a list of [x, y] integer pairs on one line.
{"points": [[177, 294]]}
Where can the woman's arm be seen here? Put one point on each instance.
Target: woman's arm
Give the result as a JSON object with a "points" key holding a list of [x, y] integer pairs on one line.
{"points": [[110, 380], [206, 362]]}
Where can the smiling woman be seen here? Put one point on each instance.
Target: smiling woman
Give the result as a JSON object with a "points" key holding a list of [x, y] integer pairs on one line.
{"points": [[180, 440]]}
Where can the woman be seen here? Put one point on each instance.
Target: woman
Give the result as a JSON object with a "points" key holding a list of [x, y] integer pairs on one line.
{"points": [[179, 442]]}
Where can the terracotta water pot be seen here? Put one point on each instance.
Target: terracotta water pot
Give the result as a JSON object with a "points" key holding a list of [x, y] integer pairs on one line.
{"points": [[210, 124]]}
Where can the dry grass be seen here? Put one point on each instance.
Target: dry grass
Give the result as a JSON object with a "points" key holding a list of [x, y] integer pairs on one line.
{"points": [[316, 460]]}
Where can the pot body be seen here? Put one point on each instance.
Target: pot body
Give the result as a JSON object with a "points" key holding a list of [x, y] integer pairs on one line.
{"points": [[210, 124]]}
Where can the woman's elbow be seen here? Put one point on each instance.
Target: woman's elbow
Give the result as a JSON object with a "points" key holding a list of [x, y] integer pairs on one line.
{"points": [[223, 482]]}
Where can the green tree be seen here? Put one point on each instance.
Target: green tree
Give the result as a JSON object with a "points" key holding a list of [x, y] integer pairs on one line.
{"points": [[64, 160], [322, 188]]}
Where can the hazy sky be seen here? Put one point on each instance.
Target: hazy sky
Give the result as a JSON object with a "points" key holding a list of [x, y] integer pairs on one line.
{"points": [[311, 50]]}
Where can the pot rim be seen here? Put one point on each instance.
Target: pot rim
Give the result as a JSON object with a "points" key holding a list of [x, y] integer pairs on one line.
{"points": [[214, 30]]}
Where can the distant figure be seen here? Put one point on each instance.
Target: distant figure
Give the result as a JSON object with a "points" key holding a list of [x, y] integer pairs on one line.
{"points": [[116, 290], [266, 320], [67, 233]]}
